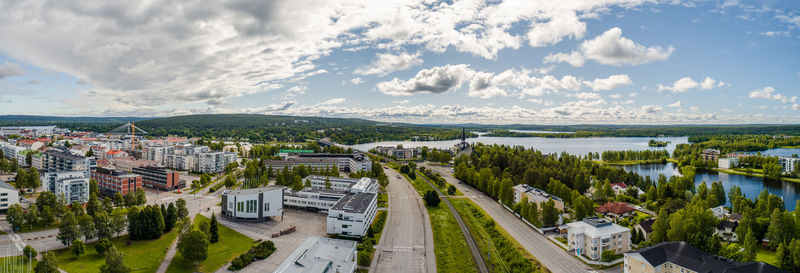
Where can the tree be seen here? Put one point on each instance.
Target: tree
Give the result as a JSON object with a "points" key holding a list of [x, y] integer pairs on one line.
{"points": [[583, 206], [102, 246], [213, 229], [46, 199], [608, 256], [32, 215], [327, 182], [86, 225], [76, 208], [118, 222], [78, 248], [506, 193], [170, 217], [119, 201], [47, 216], [29, 252], [103, 225], [750, 245], [194, 246], [431, 198], [93, 205], [16, 216], [549, 213], [114, 262], [182, 211], [307, 184], [48, 264], [772, 170], [93, 187], [141, 198], [68, 231], [660, 227], [229, 181]]}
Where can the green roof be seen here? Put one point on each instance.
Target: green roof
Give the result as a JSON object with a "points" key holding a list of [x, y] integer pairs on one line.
{"points": [[296, 151]]}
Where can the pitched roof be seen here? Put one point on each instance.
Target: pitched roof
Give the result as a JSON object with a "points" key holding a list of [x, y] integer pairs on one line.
{"points": [[687, 256], [614, 207], [647, 225]]}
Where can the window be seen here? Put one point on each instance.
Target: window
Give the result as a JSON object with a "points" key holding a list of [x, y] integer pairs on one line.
{"points": [[240, 206], [266, 206]]}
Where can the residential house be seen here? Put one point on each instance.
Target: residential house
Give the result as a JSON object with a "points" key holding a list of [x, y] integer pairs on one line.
{"points": [[679, 256], [615, 210], [591, 236]]}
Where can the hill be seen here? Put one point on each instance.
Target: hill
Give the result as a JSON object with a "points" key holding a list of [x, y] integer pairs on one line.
{"points": [[12, 120]]}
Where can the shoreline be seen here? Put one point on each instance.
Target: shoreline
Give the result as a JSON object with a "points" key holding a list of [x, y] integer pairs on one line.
{"points": [[729, 171]]}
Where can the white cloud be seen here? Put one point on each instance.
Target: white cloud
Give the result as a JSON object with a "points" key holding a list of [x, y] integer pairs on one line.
{"points": [[387, 63], [768, 92], [784, 33], [401, 101], [356, 80], [677, 104], [297, 90], [333, 101], [694, 108], [574, 58], [564, 24], [587, 96], [610, 48], [686, 83], [10, 70], [652, 109], [612, 82], [437, 80], [615, 96]]}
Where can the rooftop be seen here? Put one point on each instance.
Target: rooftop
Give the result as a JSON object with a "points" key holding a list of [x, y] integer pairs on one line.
{"points": [[253, 190], [694, 259], [318, 255], [354, 203], [5, 185], [614, 207], [594, 227]]}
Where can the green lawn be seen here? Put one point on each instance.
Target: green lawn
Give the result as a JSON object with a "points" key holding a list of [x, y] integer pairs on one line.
{"points": [[383, 200], [767, 256], [140, 256], [230, 245], [5, 262], [452, 251], [382, 214], [38, 227]]}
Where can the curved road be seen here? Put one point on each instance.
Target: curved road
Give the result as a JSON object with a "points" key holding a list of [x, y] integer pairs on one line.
{"points": [[407, 241]]}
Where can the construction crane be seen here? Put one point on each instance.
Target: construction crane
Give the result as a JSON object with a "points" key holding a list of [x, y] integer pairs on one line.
{"points": [[129, 129]]}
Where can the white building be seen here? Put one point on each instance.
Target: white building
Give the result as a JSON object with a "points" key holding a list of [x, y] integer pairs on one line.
{"points": [[257, 204], [213, 162], [727, 163], [535, 195], [312, 199], [73, 185], [8, 195], [179, 162], [351, 185], [789, 163], [593, 235], [156, 153], [321, 255], [355, 162], [10, 150], [352, 215]]}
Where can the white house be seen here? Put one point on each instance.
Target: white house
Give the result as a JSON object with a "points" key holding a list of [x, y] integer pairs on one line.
{"points": [[8, 195], [352, 215], [257, 204], [593, 235]]}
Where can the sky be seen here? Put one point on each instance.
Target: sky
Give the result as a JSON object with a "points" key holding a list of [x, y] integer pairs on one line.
{"points": [[444, 62]]}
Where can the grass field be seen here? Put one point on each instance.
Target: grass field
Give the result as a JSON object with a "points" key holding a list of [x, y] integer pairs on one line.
{"points": [[383, 200], [230, 245], [140, 256], [38, 227], [767, 256], [17, 262], [507, 253]]}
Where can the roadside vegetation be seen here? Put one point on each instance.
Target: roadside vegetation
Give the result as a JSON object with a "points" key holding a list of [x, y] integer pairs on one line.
{"points": [[230, 244]]}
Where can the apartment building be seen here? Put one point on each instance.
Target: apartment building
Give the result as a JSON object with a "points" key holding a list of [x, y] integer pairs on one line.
{"points": [[789, 164], [681, 257], [8, 195], [110, 181], [10, 150], [592, 235], [156, 153], [728, 162], [58, 161], [213, 162], [536, 195], [352, 215], [179, 162], [257, 205], [72, 185], [159, 177]]}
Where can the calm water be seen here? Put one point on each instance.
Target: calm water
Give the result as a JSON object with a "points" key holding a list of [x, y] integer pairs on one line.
{"points": [[540, 132], [575, 146], [751, 186]]}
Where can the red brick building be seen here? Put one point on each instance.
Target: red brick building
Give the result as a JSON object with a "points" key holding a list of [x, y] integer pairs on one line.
{"points": [[110, 181], [159, 177]]}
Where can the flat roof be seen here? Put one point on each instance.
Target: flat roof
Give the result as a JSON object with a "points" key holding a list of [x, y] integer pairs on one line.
{"points": [[253, 190], [318, 255], [354, 203]]}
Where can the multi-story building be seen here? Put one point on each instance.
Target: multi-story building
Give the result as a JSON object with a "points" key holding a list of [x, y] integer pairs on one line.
{"points": [[10, 150], [8, 195], [317, 254], [320, 200], [354, 162], [727, 163], [128, 163], [179, 162], [58, 161], [399, 153], [593, 235], [535, 195], [710, 154], [72, 185], [679, 256], [257, 204], [352, 185], [110, 181], [159, 177], [213, 162], [22, 158], [116, 154], [156, 153], [36, 161], [789, 163], [312, 163], [352, 215]]}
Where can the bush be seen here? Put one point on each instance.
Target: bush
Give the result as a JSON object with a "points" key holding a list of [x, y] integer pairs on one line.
{"points": [[103, 246], [608, 256], [364, 258], [260, 251], [29, 251], [431, 198]]}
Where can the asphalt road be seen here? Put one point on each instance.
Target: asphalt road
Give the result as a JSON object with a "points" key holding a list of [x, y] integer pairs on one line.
{"points": [[549, 254], [407, 241]]}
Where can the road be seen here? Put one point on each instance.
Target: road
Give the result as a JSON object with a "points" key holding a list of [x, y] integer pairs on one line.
{"points": [[550, 255], [407, 241]]}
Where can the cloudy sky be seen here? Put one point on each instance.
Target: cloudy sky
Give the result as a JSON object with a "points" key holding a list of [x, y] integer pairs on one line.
{"points": [[517, 61]]}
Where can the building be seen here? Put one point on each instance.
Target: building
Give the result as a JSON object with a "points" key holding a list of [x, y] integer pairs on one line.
{"points": [[213, 162], [535, 195], [354, 162], [110, 181], [645, 228], [725, 230], [710, 155], [10, 150], [257, 204], [156, 153], [36, 161], [675, 257], [728, 162], [789, 164], [615, 210], [116, 154], [179, 162], [61, 161], [593, 235], [8, 195], [353, 214], [128, 163], [352, 185], [399, 153], [719, 212], [72, 185], [311, 163], [22, 158], [320, 200], [621, 188], [317, 254], [159, 177]]}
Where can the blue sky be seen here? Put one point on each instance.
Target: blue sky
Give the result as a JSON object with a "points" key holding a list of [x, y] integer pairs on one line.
{"points": [[530, 62]]}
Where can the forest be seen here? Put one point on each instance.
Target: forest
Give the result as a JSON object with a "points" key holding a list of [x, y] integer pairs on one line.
{"points": [[636, 130]]}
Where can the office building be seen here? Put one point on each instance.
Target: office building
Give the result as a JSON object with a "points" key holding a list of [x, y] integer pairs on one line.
{"points": [[317, 254], [8, 195], [158, 177], [257, 204], [111, 181], [593, 235], [320, 200], [310, 163], [679, 256], [72, 185], [355, 162], [351, 185], [352, 214]]}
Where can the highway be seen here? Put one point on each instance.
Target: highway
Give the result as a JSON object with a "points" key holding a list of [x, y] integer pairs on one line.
{"points": [[407, 241], [550, 255]]}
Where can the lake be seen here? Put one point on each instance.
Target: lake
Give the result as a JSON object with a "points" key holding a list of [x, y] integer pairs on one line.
{"points": [[574, 146], [751, 186]]}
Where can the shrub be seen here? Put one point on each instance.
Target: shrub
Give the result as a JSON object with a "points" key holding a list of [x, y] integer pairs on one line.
{"points": [[102, 246], [260, 251], [431, 198], [364, 258]]}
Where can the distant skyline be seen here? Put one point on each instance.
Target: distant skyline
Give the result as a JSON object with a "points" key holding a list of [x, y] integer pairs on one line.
{"points": [[491, 62]]}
